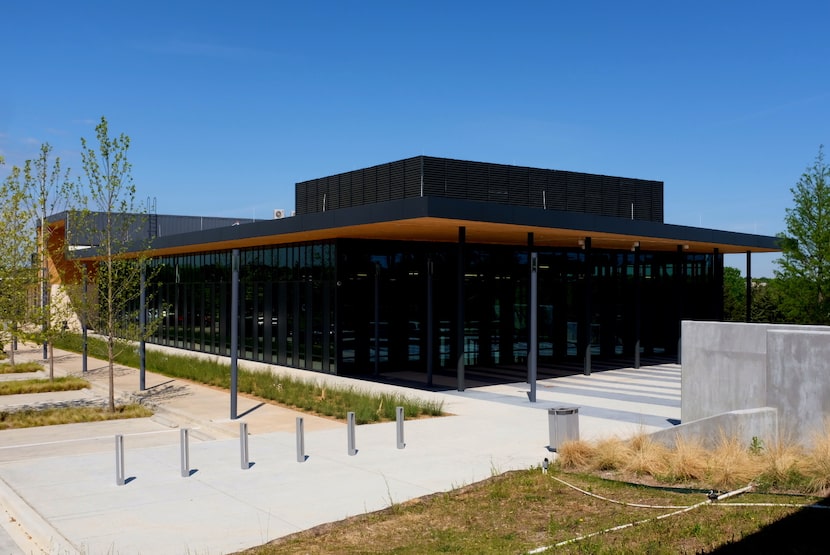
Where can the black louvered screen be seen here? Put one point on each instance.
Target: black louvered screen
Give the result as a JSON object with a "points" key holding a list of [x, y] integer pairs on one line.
{"points": [[556, 197], [370, 185], [412, 178], [656, 202], [484, 182], [300, 197], [477, 187], [497, 186], [455, 179], [396, 181], [438, 176], [538, 189], [346, 190], [518, 186], [610, 196], [593, 194], [333, 186], [575, 200], [314, 202]]}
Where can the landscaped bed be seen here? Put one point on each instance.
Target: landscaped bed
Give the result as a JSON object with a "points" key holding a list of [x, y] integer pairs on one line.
{"points": [[65, 383], [29, 418], [307, 395]]}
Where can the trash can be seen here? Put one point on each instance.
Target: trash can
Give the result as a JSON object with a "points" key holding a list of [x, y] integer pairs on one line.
{"points": [[563, 425]]}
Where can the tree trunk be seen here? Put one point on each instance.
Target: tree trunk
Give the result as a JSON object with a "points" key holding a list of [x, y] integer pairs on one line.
{"points": [[110, 358]]}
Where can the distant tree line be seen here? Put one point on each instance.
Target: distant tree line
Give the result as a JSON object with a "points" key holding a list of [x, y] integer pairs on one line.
{"points": [[800, 291]]}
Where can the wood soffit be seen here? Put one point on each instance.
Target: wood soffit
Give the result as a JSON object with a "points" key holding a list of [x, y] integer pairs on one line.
{"points": [[444, 230]]}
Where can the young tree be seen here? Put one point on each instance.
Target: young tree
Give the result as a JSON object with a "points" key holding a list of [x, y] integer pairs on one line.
{"points": [[17, 244], [108, 217], [43, 187], [804, 277]]}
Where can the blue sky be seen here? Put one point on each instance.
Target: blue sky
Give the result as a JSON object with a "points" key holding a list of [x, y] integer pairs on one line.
{"points": [[228, 104]]}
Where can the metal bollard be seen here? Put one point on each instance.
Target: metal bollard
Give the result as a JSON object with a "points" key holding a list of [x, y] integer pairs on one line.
{"points": [[243, 446], [184, 435], [399, 420], [350, 433], [120, 480], [300, 440]]}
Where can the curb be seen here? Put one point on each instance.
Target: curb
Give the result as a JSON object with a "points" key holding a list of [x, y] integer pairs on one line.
{"points": [[37, 532]]}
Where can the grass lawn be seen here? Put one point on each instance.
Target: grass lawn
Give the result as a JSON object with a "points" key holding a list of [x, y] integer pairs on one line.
{"points": [[521, 511], [23, 367], [67, 383], [48, 417]]}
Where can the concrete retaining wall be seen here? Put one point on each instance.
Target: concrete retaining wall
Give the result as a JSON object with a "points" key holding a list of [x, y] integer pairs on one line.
{"points": [[734, 367], [741, 424], [798, 381], [724, 368]]}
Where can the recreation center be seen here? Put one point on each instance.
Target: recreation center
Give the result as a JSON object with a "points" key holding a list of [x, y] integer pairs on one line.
{"points": [[428, 270]]}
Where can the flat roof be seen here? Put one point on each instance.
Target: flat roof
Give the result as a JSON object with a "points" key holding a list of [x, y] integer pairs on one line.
{"points": [[437, 219]]}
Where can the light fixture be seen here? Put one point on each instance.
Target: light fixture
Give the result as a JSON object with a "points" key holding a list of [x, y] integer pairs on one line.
{"points": [[581, 242], [635, 245]]}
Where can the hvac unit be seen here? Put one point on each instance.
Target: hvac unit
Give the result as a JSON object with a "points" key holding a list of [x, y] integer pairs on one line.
{"points": [[279, 213]]}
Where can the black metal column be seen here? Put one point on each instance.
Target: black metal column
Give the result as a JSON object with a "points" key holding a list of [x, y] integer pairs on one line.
{"points": [[234, 322], [459, 339], [637, 306], [142, 325], [679, 279], [84, 324], [532, 346], [45, 309], [376, 371], [748, 286], [589, 272], [429, 329]]}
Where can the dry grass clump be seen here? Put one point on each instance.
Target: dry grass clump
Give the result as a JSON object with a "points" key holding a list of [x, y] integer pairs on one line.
{"points": [[575, 455], [605, 454], [783, 466], [689, 460], [646, 456], [732, 464], [611, 454], [817, 461]]}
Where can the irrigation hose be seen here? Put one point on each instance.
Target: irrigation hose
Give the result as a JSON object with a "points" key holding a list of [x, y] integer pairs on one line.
{"points": [[563, 482], [680, 510]]}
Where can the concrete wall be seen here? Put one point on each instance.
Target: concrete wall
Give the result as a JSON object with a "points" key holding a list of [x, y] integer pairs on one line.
{"points": [[741, 424], [798, 381], [724, 368], [729, 367]]}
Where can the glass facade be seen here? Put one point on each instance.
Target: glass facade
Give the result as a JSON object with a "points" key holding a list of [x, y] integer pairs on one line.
{"points": [[286, 304], [359, 307]]}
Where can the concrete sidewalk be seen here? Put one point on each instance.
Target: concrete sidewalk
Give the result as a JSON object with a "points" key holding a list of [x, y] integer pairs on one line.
{"points": [[58, 483]]}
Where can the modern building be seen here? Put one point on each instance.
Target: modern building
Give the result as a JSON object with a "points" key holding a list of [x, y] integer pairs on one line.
{"points": [[425, 267]]}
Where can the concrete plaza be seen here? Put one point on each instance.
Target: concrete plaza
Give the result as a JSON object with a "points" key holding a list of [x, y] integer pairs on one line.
{"points": [[58, 484]]}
